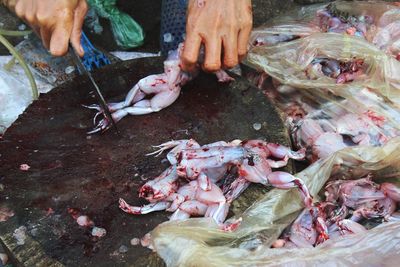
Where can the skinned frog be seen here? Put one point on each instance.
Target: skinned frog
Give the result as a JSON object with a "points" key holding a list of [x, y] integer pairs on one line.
{"points": [[324, 137], [366, 198], [309, 228], [163, 88], [341, 71], [189, 200], [361, 129], [329, 21], [309, 133]]}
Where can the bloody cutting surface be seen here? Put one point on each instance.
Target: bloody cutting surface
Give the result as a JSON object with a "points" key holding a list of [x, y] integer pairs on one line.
{"points": [[68, 174]]}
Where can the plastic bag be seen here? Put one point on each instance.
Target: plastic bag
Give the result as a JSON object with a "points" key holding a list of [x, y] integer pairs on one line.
{"points": [[361, 119], [378, 247], [324, 123], [289, 57], [15, 93], [291, 63], [199, 242], [127, 32], [335, 73], [375, 21], [14, 97]]}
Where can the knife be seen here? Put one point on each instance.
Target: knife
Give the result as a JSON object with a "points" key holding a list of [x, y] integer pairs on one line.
{"points": [[99, 96]]}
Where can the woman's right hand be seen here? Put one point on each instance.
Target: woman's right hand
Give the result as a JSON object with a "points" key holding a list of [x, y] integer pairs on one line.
{"points": [[57, 22]]}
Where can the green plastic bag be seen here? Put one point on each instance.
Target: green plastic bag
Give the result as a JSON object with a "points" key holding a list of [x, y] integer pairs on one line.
{"points": [[127, 32]]}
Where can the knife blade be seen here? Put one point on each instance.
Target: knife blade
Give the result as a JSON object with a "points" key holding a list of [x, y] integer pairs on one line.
{"points": [[99, 95]]}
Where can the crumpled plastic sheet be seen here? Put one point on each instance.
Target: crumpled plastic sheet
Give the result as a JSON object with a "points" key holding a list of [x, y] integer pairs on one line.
{"points": [[377, 247], [292, 41], [301, 22], [199, 242], [362, 118], [287, 48], [319, 97], [15, 94], [287, 62]]}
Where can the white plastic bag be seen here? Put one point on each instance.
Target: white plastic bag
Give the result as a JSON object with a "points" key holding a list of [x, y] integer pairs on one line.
{"points": [[15, 93]]}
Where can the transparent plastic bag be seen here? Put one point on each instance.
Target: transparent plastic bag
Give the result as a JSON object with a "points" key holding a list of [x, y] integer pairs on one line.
{"points": [[127, 32], [375, 21], [291, 63], [322, 73], [14, 98], [324, 123], [199, 242], [324, 77], [355, 121], [15, 93], [378, 247]]}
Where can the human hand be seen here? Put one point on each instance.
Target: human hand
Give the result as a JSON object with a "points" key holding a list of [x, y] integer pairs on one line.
{"points": [[57, 22], [223, 26]]}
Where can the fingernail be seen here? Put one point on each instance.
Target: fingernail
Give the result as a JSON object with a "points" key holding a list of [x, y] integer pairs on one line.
{"points": [[81, 49]]}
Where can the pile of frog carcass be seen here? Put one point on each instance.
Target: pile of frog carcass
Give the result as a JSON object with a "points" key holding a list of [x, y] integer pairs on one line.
{"points": [[196, 183], [357, 200]]}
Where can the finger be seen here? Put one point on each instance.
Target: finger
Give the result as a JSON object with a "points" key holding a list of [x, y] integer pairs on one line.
{"points": [[190, 52], [30, 10], [79, 18], [19, 9], [45, 35], [243, 39], [61, 34], [212, 60], [245, 32], [230, 50]]}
